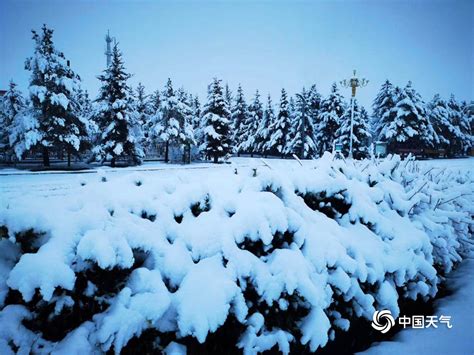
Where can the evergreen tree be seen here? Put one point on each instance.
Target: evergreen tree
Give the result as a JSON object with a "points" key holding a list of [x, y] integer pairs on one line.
{"points": [[361, 132], [279, 128], [155, 101], [328, 121], [186, 130], [460, 122], [142, 110], [303, 129], [239, 120], [264, 133], [165, 123], [292, 118], [84, 111], [216, 116], [468, 110], [381, 107], [173, 123], [154, 118], [52, 92], [228, 97], [11, 105], [407, 125], [120, 132], [24, 132], [84, 105], [255, 116], [314, 102], [143, 106], [439, 117], [197, 120]]}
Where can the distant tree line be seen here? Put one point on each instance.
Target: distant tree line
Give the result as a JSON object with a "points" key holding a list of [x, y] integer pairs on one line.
{"points": [[123, 124]]}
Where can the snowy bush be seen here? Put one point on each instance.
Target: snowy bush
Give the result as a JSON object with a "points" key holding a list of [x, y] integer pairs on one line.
{"points": [[260, 260]]}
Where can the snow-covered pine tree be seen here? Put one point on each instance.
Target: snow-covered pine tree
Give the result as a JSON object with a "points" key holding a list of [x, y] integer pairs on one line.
{"points": [[328, 121], [438, 115], [303, 130], [84, 112], [12, 104], [143, 109], [84, 104], [52, 92], [197, 120], [143, 106], [314, 102], [407, 125], [468, 110], [239, 120], [120, 132], [381, 107], [155, 101], [228, 97], [24, 132], [154, 119], [216, 116], [361, 132], [292, 115], [279, 129], [186, 132], [165, 122], [459, 120], [264, 133], [254, 118]]}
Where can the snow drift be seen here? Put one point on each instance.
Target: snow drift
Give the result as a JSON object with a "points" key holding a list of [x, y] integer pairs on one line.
{"points": [[266, 258]]}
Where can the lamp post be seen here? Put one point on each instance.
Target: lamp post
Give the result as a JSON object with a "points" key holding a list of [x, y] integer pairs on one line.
{"points": [[353, 83], [303, 124]]}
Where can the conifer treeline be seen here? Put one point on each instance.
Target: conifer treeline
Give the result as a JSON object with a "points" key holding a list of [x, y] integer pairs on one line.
{"points": [[123, 123]]}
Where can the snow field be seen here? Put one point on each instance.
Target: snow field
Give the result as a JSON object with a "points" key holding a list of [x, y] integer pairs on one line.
{"points": [[290, 254]]}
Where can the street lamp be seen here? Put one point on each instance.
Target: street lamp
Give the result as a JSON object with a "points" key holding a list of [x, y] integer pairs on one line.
{"points": [[353, 83], [303, 124]]}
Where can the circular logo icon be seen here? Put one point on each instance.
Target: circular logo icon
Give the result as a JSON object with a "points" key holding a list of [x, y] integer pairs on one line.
{"points": [[383, 321]]}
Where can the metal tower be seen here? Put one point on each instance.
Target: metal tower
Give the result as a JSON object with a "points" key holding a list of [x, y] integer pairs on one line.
{"points": [[108, 51]]}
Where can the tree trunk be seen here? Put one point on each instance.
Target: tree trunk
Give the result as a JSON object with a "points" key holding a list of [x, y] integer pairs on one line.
{"points": [[188, 154], [68, 158], [45, 156], [112, 163], [185, 154], [167, 145], [216, 159]]}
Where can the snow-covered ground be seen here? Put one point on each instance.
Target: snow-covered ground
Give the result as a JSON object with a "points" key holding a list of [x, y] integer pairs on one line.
{"points": [[458, 340], [14, 182], [463, 164]]}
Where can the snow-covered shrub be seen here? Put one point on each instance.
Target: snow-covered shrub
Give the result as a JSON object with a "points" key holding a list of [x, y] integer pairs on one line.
{"points": [[276, 260]]}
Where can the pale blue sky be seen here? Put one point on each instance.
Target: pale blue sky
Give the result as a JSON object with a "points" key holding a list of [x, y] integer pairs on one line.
{"points": [[265, 45]]}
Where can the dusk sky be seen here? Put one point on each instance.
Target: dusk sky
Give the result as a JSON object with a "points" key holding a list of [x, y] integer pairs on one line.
{"points": [[265, 45]]}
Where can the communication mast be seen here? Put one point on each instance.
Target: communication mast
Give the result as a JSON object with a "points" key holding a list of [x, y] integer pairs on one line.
{"points": [[108, 51]]}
